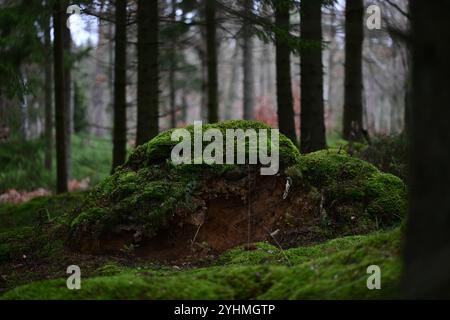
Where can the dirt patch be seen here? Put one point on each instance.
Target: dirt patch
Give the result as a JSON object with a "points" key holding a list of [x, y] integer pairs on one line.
{"points": [[241, 208]]}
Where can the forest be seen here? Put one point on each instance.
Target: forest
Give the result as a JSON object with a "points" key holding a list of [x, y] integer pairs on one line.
{"points": [[224, 150]]}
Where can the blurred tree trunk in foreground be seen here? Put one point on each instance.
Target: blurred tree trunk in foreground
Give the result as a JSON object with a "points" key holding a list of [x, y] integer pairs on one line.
{"points": [[120, 85], [285, 110], [427, 251], [60, 109], [148, 77], [312, 121], [354, 36], [211, 56]]}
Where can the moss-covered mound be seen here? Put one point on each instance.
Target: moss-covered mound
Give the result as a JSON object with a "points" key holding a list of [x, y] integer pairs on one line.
{"points": [[152, 207], [334, 270]]}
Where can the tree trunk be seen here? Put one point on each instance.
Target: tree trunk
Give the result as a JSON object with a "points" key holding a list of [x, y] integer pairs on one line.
{"points": [[172, 70], [427, 250], [148, 77], [285, 111], [312, 121], [211, 53], [247, 55], [48, 98], [60, 109], [120, 86], [67, 43], [231, 94], [354, 36]]}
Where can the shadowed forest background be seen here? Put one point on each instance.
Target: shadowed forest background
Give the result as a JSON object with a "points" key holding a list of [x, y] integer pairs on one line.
{"points": [[88, 90]]}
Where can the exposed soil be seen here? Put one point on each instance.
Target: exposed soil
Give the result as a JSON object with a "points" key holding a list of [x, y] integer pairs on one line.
{"points": [[237, 209]]}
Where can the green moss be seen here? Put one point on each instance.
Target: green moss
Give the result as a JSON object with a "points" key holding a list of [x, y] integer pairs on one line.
{"points": [[335, 270], [45, 208], [149, 188], [388, 196], [352, 188], [159, 148]]}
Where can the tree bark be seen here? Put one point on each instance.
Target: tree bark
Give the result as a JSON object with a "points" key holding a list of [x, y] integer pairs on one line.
{"points": [[172, 70], [312, 121], [211, 57], [48, 159], [427, 250], [354, 36], [120, 86], [247, 62], [285, 110], [60, 109], [231, 94], [67, 43], [148, 77]]}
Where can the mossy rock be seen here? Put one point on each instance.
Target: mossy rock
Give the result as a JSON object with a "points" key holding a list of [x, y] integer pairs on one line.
{"points": [[148, 191], [159, 149], [348, 182]]}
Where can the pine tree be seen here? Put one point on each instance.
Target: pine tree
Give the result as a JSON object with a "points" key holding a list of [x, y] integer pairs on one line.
{"points": [[312, 121]]}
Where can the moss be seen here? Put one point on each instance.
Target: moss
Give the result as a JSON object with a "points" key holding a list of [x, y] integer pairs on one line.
{"points": [[159, 148], [148, 189], [335, 270], [45, 208], [352, 188], [388, 196]]}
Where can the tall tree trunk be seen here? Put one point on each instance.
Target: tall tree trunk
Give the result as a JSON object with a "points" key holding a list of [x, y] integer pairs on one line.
{"points": [[60, 109], [354, 36], [67, 43], [211, 57], [120, 86], [231, 94], [24, 124], [148, 77], [312, 121], [48, 98], [172, 70], [427, 250], [285, 111], [184, 107], [247, 61]]}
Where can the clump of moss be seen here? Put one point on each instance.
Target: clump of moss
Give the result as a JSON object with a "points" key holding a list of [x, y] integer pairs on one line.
{"points": [[334, 270], [352, 196], [351, 188], [148, 189], [159, 148]]}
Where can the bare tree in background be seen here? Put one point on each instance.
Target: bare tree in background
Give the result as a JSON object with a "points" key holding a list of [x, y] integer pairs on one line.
{"points": [[147, 88], [211, 57], [67, 43], [247, 63], [354, 36], [312, 121], [120, 85], [48, 97], [285, 111], [60, 109], [173, 68]]}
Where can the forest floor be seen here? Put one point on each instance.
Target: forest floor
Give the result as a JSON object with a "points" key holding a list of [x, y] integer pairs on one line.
{"points": [[334, 269], [155, 231]]}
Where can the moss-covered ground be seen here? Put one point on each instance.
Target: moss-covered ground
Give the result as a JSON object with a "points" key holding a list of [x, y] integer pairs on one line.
{"points": [[334, 270]]}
